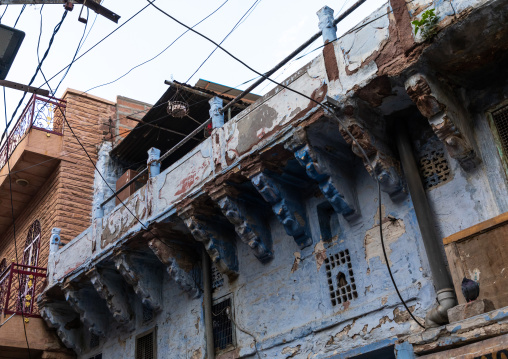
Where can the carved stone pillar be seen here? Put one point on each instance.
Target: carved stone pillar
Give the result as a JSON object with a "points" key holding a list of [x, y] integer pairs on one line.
{"points": [[245, 216], [447, 116]]}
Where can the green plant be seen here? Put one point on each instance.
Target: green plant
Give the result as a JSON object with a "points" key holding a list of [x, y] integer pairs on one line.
{"points": [[427, 24]]}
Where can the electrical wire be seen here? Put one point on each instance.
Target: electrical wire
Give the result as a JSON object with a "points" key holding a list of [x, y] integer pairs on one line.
{"points": [[326, 108], [246, 15], [1, 17], [14, 234], [55, 31], [160, 53], [20, 13]]}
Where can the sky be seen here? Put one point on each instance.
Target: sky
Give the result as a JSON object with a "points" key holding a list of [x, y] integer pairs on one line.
{"points": [[268, 32]]}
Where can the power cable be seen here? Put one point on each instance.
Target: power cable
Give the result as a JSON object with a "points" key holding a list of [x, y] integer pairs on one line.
{"points": [[326, 108], [246, 15], [55, 31], [95, 45], [20, 13], [160, 53], [1, 17], [22, 300]]}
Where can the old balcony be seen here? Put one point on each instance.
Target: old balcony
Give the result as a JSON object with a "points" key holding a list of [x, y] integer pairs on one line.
{"points": [[30, 153]]}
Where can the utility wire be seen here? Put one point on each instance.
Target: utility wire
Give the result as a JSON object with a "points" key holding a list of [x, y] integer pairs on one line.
{"points": [[1, 17], [20, 13], [22, 299], [160, 53], [326, 108], [246, 15]]}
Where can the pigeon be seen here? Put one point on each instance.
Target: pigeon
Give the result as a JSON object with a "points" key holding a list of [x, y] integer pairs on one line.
{"points": [[470, 289]]}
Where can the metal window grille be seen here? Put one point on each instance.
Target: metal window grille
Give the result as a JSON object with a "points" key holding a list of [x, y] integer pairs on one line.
{"points": [[434, 168], [94, 341], [145, 347], [341, 281], [500, 118], [217, 278], [147, 314], [98, 356], [222, 324]]}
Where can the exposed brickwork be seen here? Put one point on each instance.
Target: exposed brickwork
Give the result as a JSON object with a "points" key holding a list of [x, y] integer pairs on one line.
{"points": [[64, 201]]}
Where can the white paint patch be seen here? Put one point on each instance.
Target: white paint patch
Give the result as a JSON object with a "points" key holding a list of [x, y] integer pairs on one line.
{"points": [[391, 232]]}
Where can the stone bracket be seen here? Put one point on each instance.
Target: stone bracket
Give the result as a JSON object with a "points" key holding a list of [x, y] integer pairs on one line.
{"points": [[91, 313], [380, 163], [59, 316], [447, 116], [170, 255], [343, 201], [245, 216], [286, 205], [144, 277], [203, 227], [111, 287]]}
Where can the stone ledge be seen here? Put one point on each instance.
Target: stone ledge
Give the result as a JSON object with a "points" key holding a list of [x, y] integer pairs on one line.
{"points": [[468, 310]]}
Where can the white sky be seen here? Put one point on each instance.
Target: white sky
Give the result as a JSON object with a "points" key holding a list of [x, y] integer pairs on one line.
{"points": [[271, 32]]}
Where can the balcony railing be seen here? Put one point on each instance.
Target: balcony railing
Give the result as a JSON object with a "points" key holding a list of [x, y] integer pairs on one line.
{"points": [[42, 113], [19, 287]]}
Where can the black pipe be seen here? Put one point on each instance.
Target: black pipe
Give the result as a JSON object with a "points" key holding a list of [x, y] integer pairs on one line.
{"points": [[431, 241], [207, 304]]}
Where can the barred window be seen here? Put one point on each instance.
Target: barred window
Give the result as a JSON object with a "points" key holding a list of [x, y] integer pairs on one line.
{"points": [[145, 346], [222, 324]]}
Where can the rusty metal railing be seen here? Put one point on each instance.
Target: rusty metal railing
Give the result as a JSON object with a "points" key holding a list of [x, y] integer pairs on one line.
{"points": [[19, 287], [42, 113]]}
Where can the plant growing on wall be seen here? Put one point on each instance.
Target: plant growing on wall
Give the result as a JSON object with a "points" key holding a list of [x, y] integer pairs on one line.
{"points": [[427, 24]]}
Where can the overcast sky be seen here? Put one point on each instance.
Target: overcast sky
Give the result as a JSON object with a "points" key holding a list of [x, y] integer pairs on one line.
{"points": [[273, 29]]}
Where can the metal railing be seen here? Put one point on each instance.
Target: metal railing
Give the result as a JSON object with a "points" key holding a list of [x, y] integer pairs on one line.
{"points": [[19, 287], [42, 113]]}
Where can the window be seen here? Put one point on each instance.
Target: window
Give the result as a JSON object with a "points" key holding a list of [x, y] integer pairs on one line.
{"points": [[499, 125], [147, 314], [145, 345], [32, 244], [222, 324], [97, 356], [217, 278], [339, 274], [434, 168]]}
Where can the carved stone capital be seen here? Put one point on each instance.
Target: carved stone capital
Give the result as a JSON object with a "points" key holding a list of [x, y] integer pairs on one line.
{"points": [[245, 216], [447, 116], [144, 277], [110, 286], [172, 257]]}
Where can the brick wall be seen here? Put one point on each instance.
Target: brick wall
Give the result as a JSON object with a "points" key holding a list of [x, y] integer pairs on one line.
{"points": [[128, 107], [64, 201]]}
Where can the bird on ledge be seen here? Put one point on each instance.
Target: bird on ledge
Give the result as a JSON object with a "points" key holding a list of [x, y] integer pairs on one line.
{"points": [[470, 289]]}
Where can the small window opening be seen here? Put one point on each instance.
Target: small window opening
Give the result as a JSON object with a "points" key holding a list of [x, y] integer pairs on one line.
{"points": [[222, 324], [147, 314], [145, 346], [338, 270], [217, 278], [434, 168]]}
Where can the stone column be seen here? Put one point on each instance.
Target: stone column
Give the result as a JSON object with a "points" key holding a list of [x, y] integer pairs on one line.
{"points": [[154, 167]]}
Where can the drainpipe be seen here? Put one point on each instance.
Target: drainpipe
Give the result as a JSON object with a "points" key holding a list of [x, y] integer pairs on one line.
{"points": [[444, 286], [207, 304]]}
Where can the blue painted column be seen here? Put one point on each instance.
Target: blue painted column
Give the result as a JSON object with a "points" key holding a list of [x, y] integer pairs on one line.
{"points": [[154, 167], [325, 15], [54, 241], [216, 116]]}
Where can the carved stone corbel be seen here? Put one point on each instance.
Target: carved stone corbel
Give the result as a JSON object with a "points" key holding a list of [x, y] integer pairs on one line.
{"points": [[59, 315], [448, 118], [178, 263], [144, 277], [110, 286], [220, 248], [286, 205], [245, 216], [84, 301], [380, 163], [336, 189]]}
